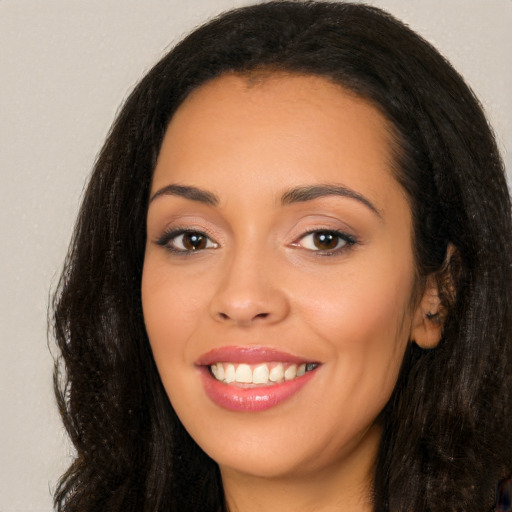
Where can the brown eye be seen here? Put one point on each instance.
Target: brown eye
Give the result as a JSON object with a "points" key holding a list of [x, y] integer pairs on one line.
{"points": [[326, 241], [186, 241], [194, 241]]}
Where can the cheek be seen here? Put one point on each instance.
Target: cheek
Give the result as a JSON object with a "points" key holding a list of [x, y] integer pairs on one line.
{"points": [[171, 304], [359, 300], [365, 319]]}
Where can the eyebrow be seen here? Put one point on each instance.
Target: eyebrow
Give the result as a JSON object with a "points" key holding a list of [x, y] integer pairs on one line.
{"points": [[188, 192], [308, 193], [295, 195]]}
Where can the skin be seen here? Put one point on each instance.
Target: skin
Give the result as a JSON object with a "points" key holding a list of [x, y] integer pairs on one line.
{"points": [[261, 281]]}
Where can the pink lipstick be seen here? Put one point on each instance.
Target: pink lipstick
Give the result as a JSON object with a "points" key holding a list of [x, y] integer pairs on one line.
{"points": [[252, 379]]}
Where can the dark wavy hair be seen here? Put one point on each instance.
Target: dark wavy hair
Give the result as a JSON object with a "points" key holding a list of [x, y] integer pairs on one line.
{"points": [[447, 427]]}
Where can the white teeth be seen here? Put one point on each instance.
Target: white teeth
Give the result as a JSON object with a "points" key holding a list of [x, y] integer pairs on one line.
{"points": [[261, 374], [229, 373], [243, 374], [290, 372], [220, 371], [277, 373]]}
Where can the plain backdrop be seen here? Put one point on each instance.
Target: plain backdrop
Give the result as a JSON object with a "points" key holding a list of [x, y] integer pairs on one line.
{"points": [[66, 66]]}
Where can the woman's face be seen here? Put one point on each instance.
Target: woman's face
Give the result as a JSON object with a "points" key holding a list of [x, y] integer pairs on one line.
{"points": [[278, 257]]}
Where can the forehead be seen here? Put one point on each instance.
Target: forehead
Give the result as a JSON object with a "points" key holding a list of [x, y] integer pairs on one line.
{"points": [[277, 128], [305, 100]]}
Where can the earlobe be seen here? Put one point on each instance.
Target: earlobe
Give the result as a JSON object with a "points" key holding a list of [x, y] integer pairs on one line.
{"points": [[438, 299], [428, 319]]}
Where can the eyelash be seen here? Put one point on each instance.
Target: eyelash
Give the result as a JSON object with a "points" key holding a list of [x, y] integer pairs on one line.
{"points": [[348, 240], [168, 240]]}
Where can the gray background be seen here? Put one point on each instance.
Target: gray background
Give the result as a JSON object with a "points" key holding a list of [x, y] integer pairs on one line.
{"points": [[65, 68]]}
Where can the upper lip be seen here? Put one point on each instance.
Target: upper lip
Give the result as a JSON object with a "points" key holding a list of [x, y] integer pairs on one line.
{"points": [[250, 355]]}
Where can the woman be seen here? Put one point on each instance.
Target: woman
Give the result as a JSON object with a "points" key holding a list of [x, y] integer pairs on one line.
{"points": [[290, 281]]}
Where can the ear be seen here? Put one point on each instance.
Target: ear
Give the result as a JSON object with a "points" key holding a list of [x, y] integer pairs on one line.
{"points": [[427, 324], [430, 315]]}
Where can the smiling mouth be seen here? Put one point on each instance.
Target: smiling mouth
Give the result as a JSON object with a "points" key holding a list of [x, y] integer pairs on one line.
{"points": [[263, 374], [253, 378]]}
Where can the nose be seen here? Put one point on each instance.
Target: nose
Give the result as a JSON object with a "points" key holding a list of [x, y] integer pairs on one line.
{"points": [[249, 294]]}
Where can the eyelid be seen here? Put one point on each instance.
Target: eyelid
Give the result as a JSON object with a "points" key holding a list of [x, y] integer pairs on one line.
{"points": [[349, 240], [174, 232]]}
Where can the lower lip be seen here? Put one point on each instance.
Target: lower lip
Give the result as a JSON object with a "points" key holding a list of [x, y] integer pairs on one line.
{"points": [[233, 398]]}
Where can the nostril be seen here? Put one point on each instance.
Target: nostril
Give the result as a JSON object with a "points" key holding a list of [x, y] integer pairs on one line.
{"points": [[239, 319]]}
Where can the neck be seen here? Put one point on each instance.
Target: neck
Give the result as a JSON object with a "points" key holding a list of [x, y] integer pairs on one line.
{"points": [[346, 485]]}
